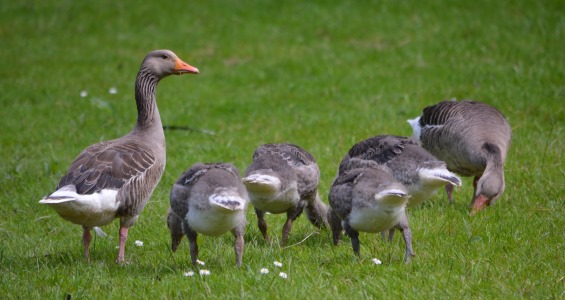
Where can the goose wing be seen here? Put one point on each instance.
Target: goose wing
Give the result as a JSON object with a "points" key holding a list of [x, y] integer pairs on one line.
{"points": [[380, 149], [108, 165], [439, 114], [292, 154], [340, 196]]}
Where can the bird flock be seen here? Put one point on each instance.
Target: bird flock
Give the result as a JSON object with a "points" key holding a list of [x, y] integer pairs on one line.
{"points": [[377, 179]]}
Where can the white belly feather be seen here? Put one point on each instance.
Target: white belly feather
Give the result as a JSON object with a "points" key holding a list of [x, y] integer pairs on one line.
{"points": [[224, 214], [375, 218], [97, 209], [265, 193]]}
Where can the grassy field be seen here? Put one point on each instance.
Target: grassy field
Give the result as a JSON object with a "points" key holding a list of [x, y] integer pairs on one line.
{"points": [[320, 74]]}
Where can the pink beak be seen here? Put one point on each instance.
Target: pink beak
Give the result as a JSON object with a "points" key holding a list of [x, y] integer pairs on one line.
{"points": [[479, 204]]}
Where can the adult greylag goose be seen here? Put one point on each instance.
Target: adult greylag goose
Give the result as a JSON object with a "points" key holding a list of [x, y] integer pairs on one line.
{"points": [[473, 139], [115, 178], [283, 178], [368, 200], [208, 199]]}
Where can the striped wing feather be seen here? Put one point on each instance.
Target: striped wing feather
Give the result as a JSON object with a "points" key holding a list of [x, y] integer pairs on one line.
{"points": [[196, 171], [380, 149], [292, 154], [108, 165], [439, 114]]}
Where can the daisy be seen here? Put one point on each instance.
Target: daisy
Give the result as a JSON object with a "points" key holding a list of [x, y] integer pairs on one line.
{"points": [[204, 272], [189, 274], [264, 271], [139, 243], [277, 264], [113, 90], [200, 262], [377, 261], [283, 275], [83, 94]]}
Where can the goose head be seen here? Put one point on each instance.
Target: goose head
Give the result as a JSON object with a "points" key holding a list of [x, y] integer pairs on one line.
{"points": [[175, 227], [163, 63], [491, 184], [489, 187]]}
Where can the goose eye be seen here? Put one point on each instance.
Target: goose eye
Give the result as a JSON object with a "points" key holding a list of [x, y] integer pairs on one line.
{"points": [[164, 56]]}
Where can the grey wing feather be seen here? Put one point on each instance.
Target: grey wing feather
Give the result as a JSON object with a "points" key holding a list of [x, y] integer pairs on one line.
{"points": [[182, 188], [438, 114], [189, 177], [292, 154], [380, 149], [349, 177], [178, 200], [107, 165], [443, 112], [306, 170], [298, 161], [341, 190]]}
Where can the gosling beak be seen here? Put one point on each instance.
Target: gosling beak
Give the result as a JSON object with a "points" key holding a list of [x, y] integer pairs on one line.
{"points": [[181, 67], [479, 204], [175, 243]]}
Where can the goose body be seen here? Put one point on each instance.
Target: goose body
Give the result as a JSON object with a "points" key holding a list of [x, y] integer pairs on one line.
{"points": [[420, 172], [367, 200], [283, 178], [406, 160], [473, 139], [208, 199], [115, 178]]}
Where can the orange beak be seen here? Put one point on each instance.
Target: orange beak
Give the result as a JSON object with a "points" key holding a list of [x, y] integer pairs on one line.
{"points": [[479, 204], [181, 67]]}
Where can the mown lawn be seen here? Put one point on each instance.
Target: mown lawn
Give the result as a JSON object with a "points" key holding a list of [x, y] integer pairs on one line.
{"points": [[320, 74]]}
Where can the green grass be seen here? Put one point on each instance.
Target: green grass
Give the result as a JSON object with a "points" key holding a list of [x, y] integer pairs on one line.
{"points": [[321, 74]]}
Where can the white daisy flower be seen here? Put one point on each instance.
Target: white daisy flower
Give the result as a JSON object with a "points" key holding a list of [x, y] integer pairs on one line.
{"points": [[189, 274], [204, 272], [83, 94], [139, 243], [113, 90], [283, 275], [377, 261], [264, 271], [200, 262], [277, 264]]}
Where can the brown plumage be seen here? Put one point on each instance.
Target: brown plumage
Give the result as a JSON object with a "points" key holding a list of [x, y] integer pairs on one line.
{"points": [[114, 179], [473, 139]]}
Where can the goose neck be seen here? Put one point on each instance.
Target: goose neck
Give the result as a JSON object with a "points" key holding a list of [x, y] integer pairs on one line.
{"points": [[147, 112]]}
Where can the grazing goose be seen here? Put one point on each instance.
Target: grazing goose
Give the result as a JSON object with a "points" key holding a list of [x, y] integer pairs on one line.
{"points": [[114, 179], [368, 200], [208, 199], [284, 178], [473, 139], [419, 171], [408, 162]]}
